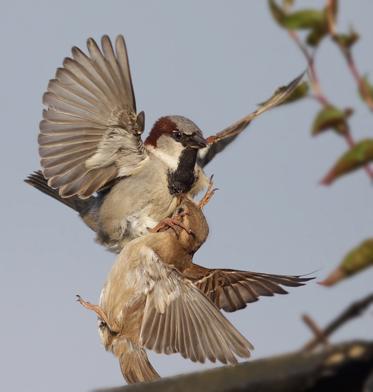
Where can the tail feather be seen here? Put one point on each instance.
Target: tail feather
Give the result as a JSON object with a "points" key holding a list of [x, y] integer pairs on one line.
{"points": [[38, 181], [135, 366]]}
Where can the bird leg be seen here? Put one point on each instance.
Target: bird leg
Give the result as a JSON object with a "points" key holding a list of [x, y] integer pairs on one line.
{"points": [[96, 308], [208, 195]]}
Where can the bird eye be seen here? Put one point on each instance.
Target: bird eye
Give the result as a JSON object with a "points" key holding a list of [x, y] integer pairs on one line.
{"points": [[177, 135]]}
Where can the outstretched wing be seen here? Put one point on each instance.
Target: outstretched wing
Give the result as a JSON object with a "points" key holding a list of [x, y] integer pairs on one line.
{"points": [[218, 142], [91, 133], [232, 290], [178, 317]]}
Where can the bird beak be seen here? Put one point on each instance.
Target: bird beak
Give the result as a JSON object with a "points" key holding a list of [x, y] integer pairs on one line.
{"points": [[197, 141]]}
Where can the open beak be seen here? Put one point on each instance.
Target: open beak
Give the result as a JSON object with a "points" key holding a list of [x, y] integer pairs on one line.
{"points": [[197, 141]]}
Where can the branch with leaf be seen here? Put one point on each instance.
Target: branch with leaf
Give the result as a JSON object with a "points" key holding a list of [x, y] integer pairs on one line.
{"points": [[357, 260], [319, 24]]}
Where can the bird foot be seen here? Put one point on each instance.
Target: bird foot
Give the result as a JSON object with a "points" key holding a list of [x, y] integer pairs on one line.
{"points": [[209, 193], [172, 223]]}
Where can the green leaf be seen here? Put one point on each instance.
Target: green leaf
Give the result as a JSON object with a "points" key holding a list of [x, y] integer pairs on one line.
{"points": [[288, 3], [358, 259], [304, 19], [278, 13], [299, 92], [331, 117], [347, 40], [368, 86], [319, 31], [316, 35], [280, 95], [355, 158]]}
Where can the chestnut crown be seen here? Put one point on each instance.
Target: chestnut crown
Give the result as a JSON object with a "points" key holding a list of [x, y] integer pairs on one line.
{"points": [[178, 128]]}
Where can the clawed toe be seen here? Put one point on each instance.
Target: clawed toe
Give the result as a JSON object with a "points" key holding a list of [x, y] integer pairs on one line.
{"points": [[86, 304], [209, 193], [79, 298], [95, 308], [172, 223]]}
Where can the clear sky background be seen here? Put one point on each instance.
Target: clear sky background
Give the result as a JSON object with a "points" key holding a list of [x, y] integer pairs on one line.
{"points": [[212, 61]]}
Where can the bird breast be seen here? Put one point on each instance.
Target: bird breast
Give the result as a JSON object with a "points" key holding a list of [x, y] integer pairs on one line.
{"points": [[124, 287], [137, 203]]}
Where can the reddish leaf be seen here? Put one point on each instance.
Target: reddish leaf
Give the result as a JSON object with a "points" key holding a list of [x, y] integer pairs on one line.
{"points": [[347, 40], [355, 261], [355, 158], [368, 88], [331, 117]]}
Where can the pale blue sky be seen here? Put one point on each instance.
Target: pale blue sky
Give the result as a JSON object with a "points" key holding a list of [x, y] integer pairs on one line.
{"points": [[212, 61]]}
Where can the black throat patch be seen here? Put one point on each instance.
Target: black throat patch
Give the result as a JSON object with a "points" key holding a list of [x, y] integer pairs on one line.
{"points": [[182, 179]]}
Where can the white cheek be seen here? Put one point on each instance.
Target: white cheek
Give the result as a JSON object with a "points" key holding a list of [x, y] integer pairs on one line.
{"points": [[170, 160], [168, 151]]}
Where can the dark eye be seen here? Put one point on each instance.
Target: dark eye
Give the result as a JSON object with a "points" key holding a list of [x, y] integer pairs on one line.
{"points": [[177, 135]]}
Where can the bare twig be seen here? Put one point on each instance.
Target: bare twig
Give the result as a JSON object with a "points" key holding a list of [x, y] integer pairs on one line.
{"points": [[330, 7], [316, 330], [352, 311]]}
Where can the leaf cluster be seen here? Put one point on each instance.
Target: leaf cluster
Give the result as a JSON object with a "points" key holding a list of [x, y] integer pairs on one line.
{"points": [[317, 25]]}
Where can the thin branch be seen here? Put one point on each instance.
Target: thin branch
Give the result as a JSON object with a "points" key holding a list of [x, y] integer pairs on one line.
{"points": [[330, 8], [352, 311], [316, 330], [314, 79], [318, 93], [362, 86]]}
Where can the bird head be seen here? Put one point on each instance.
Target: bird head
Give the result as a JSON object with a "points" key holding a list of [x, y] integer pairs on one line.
{"points": [[190, 215], [173, 134]]}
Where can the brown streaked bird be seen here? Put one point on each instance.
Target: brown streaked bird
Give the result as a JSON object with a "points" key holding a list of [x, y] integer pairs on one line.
{"points": [[94, 160], [229, 289], [156, 298]]}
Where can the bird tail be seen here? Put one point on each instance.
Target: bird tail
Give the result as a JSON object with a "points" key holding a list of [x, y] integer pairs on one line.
{"points": [[135, 365], [38, 181], [82, 207]]}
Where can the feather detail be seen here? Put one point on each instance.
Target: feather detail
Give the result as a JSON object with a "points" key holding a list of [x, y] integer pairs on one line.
{"points": [[175, 304], [91, 121], [222, 139], [232, 290]]}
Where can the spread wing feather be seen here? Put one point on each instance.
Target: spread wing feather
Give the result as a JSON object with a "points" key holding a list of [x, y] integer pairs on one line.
{"points": [[178, 317], [232, 290], [221, 140], [90, 132]]}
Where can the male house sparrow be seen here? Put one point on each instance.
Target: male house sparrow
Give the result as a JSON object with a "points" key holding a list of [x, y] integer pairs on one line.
{"points": [[156, 298], [92, 155]]}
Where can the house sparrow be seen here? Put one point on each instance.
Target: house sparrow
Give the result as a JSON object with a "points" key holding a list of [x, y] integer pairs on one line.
{"points": [[228, 289], [94, 160], [156, 298]]}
